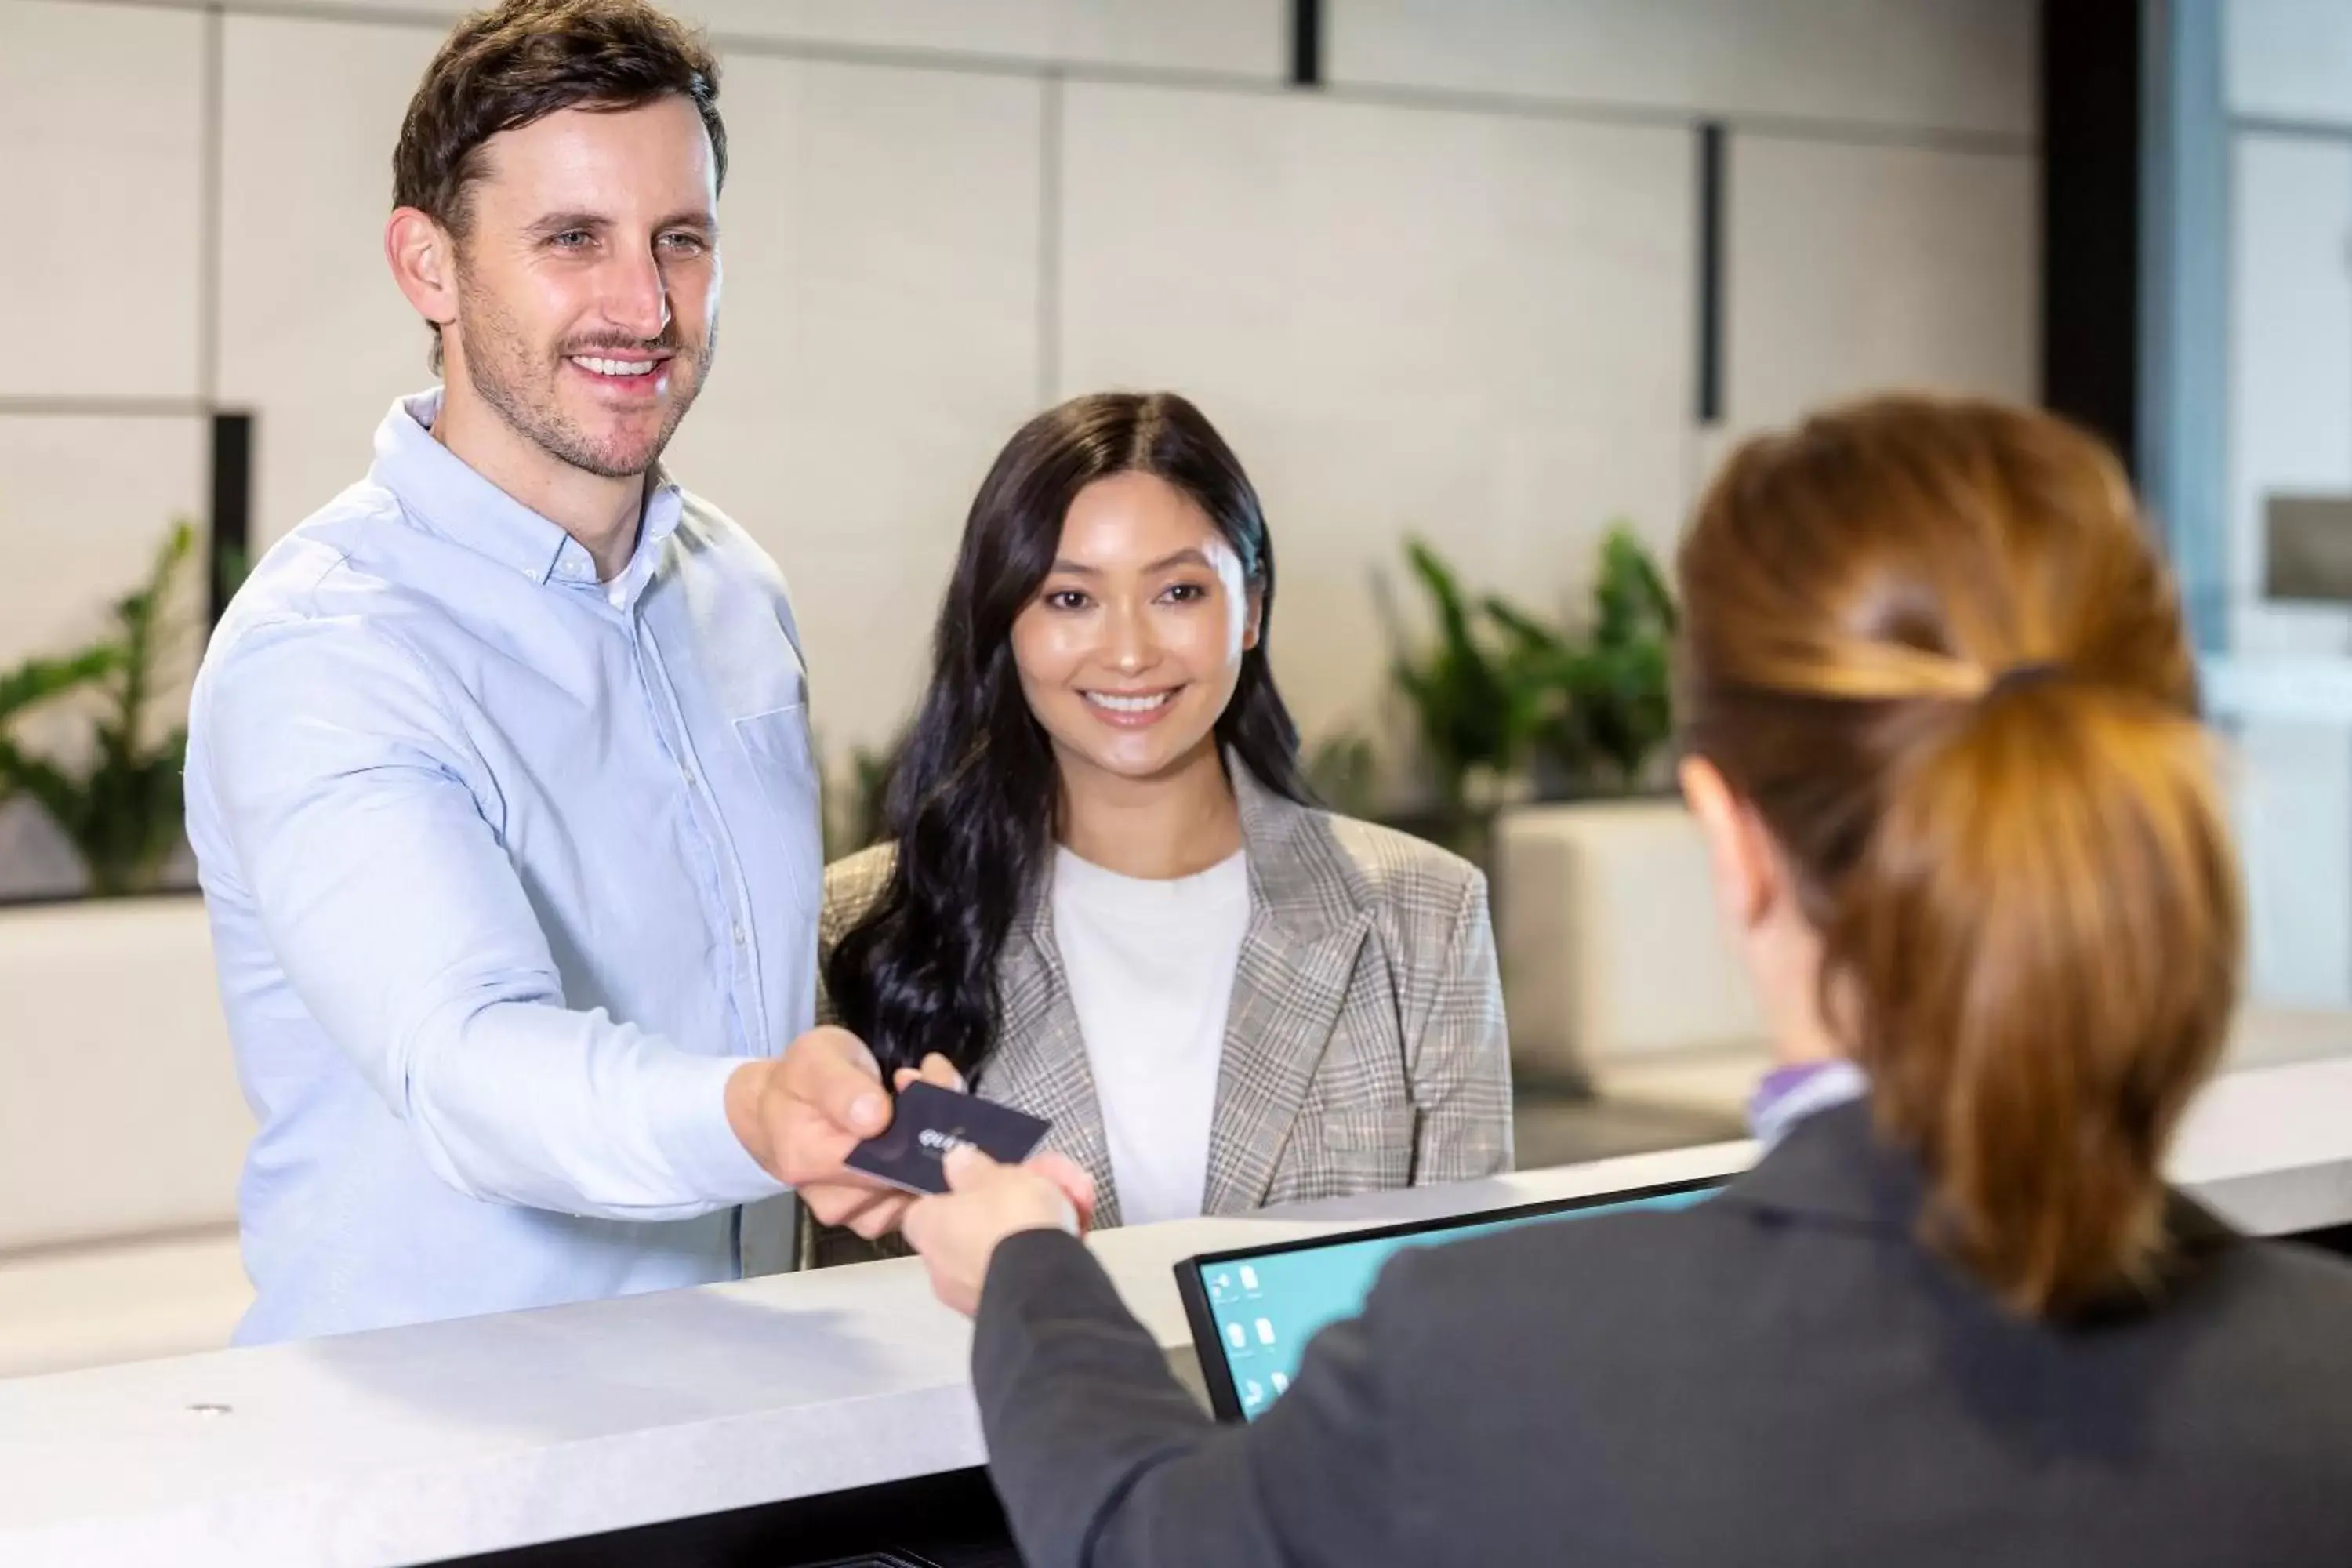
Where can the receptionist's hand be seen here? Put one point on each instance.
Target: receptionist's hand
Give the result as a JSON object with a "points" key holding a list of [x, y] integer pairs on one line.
{"points": [[985, 1202], [798, 1114]]}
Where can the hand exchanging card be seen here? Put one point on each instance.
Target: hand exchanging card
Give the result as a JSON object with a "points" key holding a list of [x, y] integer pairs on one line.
{"points": [[802, 1113], [818, 1119], [928, 1122], [986, 1202], [942, 1141]]}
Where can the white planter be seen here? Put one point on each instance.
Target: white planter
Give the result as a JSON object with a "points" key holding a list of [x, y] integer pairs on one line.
{"points": [[121, 1113], [1613, 962]]}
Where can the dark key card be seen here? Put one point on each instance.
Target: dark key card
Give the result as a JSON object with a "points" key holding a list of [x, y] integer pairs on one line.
{"points": [[928, 1121]]}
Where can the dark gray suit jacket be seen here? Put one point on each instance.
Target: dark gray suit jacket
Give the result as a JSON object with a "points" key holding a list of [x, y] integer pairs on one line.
{"points": [[1780, 1376]]}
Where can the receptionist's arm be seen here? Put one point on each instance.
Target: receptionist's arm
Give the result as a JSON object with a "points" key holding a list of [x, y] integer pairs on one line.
{"points": [[1103, 1459]]}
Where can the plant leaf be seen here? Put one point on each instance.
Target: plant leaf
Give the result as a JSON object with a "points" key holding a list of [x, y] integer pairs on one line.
{"points": [[37, 680]]}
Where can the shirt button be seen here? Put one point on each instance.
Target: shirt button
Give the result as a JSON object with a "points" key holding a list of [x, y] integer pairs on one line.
{"points": [[688, 773], [738, 934]]}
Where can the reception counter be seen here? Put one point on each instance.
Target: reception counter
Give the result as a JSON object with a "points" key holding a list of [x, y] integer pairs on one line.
{"points": [[679, 1412]]}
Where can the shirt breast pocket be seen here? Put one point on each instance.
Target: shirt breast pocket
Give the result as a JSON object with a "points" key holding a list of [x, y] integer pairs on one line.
{"points": [[777, 744]]}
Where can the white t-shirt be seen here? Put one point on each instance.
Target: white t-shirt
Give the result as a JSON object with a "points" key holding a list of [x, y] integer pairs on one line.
{"points": [[1151, 968]]}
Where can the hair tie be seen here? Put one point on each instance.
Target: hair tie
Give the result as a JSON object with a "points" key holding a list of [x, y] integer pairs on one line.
{"points": [[2017, 675]]}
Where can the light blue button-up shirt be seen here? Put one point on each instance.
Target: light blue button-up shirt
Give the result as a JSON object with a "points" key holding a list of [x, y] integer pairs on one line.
{"points": [[508, 869]]}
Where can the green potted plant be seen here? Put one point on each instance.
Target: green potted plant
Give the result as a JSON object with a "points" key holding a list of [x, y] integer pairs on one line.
{"points": [[1475, 706], [120, 808], [1507, 705], [1605, 712]]}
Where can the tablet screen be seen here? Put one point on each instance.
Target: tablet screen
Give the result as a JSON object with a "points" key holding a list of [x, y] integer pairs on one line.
{"points": [[1254, 1310]]}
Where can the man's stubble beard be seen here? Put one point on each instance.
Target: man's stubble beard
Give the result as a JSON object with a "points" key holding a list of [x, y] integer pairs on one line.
{"points": [[498, 365]]}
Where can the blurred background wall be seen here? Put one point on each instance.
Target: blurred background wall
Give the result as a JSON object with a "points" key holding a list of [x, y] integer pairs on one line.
{"points": [[1499, 274], [1460, 285]]}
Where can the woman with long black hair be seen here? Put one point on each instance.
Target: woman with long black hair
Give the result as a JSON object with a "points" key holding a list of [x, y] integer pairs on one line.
{"points": [[1110, 900]]}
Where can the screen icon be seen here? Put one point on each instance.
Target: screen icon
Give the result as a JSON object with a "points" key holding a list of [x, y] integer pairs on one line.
{"points": [[1253, 1396], [1249, 1278], [1237, 1336], [1265, 1331], [1281, 1383]]}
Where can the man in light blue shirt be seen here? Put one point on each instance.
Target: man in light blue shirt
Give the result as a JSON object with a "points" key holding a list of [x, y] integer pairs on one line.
{"points": [[499, 768]]}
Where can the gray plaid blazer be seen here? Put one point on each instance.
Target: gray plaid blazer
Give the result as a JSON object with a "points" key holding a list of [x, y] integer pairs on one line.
{"points": [[1365, 1047]]}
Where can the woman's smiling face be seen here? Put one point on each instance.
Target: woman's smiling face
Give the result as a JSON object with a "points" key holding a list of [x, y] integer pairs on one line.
{"points": [[1132, 647]]}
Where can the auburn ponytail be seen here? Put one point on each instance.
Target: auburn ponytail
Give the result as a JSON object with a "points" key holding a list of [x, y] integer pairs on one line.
{"points": [[1931, 645], [2039, 932]]}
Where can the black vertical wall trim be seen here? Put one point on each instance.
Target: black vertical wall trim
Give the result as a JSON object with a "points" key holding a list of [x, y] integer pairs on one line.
{"points": [[2090, 100], [231, 531], [1306, 43], [1709, 377]]}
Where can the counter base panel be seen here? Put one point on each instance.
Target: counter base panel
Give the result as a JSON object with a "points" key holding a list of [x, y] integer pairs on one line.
{"points": [[947, 1521]]}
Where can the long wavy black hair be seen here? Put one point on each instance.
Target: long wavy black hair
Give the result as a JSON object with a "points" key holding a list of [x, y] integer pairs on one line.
{"points": [[972, 800]]}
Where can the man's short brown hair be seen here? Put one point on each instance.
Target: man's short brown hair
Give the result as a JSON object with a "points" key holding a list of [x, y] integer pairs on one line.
{"points": [[523, 61]]}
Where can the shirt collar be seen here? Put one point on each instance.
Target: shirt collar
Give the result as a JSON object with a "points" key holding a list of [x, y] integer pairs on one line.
{"points": [[446, 494], [1790, 1094]]}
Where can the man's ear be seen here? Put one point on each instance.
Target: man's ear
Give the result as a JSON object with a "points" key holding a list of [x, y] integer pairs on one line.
{"points": [[423, 255], [1747, 872]]}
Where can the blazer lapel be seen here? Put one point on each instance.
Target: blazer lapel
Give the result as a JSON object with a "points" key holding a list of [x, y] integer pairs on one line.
{"points": [[1287, 996], [1307, 927], [1040, 1063]]}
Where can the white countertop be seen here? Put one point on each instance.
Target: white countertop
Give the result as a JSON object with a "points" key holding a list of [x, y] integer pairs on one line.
{"points": [[412, 1445]]}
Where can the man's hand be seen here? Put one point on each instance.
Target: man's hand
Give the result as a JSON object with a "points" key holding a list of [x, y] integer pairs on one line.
{"points": [[800, 1113], [985, 1202]]}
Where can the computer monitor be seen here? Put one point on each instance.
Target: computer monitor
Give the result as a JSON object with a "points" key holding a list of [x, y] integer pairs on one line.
{"points": [[1254, 1309]]}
